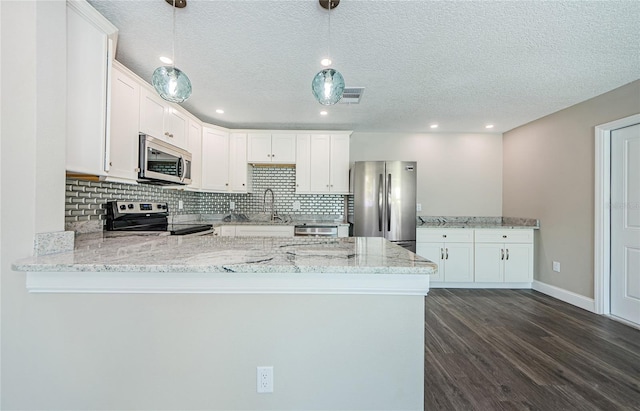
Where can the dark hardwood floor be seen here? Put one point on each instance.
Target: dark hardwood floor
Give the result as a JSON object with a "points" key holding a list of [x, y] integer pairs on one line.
{"points": [[523, 350]]}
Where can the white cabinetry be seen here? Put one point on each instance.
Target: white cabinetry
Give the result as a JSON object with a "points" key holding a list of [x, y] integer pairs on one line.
{"points": [[264, 148], [504, 256], [224, 161], [161, 119], [239, 175], [266, 230], [322, 164], [194, 146], [90, 47], [122, 155], [215, 160], [451, 249]]}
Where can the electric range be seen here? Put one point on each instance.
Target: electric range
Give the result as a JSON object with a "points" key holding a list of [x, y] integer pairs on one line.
{"points": [[148, 217]]}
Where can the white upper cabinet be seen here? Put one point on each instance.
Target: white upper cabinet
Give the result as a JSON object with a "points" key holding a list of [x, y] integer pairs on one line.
{"points": [[215, 160], [303, 163], [194, 146], [239, 181], [160, 119], [264, 148], [324, 166], [90, 48], [122, 153]]}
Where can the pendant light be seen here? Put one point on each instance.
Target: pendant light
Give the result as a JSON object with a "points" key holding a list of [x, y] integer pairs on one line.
{"points": [[171, 83], [328, 85]]}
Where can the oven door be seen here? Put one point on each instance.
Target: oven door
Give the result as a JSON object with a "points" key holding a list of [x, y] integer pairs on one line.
{"points": [[163, 163]]}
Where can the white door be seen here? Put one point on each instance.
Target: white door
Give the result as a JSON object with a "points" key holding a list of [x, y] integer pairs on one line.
{"points": [[625, 223]]}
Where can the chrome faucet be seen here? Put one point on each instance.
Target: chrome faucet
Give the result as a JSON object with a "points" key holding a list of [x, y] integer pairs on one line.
{"points": [[264, 203]]}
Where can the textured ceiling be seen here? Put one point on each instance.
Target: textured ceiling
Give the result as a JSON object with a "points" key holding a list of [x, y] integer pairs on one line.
{"points": [[461, 64]]}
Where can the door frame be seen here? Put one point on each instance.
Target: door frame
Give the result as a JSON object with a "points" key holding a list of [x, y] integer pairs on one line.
{"points": [[602, 226]]}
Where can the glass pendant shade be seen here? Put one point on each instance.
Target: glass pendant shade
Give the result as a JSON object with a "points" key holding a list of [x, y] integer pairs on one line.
{"points": [[327, 86], [171, 83]]}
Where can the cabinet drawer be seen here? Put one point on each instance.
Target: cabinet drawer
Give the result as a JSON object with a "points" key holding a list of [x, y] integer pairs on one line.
{"points": [[451, 235], [504, 236], [264, 231]]}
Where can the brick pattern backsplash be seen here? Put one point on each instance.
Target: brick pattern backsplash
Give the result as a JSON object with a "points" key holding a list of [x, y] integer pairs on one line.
{"points": [[85, 199]]}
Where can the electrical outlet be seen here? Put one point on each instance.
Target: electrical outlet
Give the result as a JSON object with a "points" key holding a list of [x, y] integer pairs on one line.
{"points": [[265, 379], [296, 205], [556, 266], [418, 207], [232, 205], [180, 204]]}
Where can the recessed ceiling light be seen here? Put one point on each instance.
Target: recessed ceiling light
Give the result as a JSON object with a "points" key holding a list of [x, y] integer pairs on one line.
{"points": [[323, 113], [489, 126], [166, 60], [220, 111], [433, 126], [325, 62]]}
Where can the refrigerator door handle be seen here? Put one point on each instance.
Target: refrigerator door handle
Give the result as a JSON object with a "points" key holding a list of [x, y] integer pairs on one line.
{"points": [[388, 202], [380, 203]]}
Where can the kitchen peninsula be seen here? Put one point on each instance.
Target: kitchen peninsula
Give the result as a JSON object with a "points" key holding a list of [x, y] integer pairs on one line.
{"points": [[340, 320]]}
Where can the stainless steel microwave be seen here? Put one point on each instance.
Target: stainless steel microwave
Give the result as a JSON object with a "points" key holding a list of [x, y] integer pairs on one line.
{"points": [[163, 163]]}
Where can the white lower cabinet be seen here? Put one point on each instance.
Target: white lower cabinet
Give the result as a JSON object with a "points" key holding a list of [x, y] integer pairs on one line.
{"points": [[504, 256], [451, 249], [481, 256], [254, 231]]}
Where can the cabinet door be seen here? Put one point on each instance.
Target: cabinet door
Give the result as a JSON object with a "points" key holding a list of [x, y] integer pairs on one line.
{"points": [[319, 164], [458, 262], [152, 110], [339, 164], [259, 148], [125, 100], [215, 160], [303, 165], [434, 253], [228, 231], [176, 127], [87, 75], [283, 148], [518, 263], [194, 146], [489, 265], [238, 162]]}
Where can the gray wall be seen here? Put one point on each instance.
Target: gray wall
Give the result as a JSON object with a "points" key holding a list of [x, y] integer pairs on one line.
{"points": [[549, 167], [458, 174]]}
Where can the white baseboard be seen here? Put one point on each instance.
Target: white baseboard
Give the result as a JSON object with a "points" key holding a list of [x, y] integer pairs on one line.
{"points": [[564, 295], [525, 286]]}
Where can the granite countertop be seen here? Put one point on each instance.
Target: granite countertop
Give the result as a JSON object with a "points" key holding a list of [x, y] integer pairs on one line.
{"points": [[209, 254], [477, 222]]}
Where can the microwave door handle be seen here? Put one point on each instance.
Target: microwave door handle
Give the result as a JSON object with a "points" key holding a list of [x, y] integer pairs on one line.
{"points": [[184, 169]]}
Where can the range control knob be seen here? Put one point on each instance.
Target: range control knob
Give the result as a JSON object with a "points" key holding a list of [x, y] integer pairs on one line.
{"points": [[159, 206], [123, 207], [130, 206]]}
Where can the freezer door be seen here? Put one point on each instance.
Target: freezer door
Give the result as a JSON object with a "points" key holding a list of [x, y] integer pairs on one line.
{"points": [[368, 199], [400, 199]]}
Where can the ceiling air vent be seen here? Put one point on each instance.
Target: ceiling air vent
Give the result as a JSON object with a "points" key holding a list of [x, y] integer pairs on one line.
{"points": [[351, 95]]}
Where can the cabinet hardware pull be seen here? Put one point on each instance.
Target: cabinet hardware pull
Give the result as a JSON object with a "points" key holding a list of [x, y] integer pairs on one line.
{"points": [[110, 163], [442, 254], [446, 252], [273, 155], [226, 184], [444, 236], [166, 133], [504, 236], [507, 253], [502, 254], [243, 184]]}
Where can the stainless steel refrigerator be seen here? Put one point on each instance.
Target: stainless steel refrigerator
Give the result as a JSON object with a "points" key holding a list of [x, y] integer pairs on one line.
{"points": [[384, 199]]}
